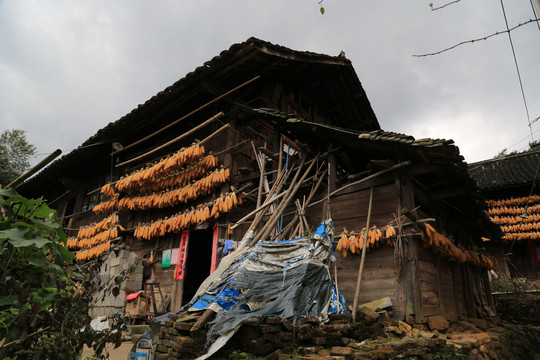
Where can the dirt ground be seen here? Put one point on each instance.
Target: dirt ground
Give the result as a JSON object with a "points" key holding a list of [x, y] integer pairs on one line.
{"points": [[120, 353]]}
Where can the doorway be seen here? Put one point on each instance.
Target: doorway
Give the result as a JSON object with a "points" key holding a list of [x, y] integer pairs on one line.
{"points": [[198, 262]]}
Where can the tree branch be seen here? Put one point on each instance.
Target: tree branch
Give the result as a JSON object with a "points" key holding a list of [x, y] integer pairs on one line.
{"points": [[443, 6], [478, 39]]}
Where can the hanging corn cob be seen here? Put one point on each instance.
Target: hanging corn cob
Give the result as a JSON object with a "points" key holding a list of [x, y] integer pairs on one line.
{"points": [[176, 161], [354, 242], [455, 253], [181, 221], [177, 196]]}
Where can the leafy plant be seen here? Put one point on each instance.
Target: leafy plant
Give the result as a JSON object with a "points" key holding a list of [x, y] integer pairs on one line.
{"points": [[44, 302]]}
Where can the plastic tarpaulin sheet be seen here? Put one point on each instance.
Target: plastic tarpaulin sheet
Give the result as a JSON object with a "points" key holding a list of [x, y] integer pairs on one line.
{"points": [[288, 278]]}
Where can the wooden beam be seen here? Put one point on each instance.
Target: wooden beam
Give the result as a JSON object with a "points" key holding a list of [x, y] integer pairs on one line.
{"points": [[184, 135], [188, 115]]}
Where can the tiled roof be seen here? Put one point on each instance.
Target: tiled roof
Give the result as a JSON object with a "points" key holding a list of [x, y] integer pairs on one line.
{"points": [[330, 78], [374, 138], [510, 171], [440, 169]]}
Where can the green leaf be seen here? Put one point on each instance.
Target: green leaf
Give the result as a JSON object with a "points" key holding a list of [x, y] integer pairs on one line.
{"points": [[37, 242], [322, 10], [8, 300], [17, 233]]}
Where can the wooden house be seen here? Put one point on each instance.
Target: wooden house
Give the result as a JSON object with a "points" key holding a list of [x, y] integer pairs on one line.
{"points": [[509, 185], [182, 173]]}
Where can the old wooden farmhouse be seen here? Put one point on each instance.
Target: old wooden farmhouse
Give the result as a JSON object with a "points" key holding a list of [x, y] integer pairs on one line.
{"points": [[176, 181]]}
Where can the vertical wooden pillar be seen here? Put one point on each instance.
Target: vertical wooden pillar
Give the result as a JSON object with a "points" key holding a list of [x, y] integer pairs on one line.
{"points": [[332, 176], [411, 283]]}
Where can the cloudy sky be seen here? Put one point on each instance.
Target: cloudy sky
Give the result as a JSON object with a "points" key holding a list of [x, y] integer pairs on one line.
{"points": [[68, 68]]}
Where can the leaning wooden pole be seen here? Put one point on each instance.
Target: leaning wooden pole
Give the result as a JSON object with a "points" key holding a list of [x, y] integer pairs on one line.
{"points": [[361, 268], [34, 169]]}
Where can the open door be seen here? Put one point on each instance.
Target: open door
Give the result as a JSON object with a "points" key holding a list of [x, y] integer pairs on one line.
{"points": [[198, 262]]}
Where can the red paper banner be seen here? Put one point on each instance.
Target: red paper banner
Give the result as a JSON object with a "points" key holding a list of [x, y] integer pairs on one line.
{"points": [[182, 254], [214, 249]]}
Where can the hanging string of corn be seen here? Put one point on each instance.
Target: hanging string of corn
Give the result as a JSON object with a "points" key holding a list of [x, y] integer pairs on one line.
{"points": [[178, 178], [174, 197], [107, 190], [520, 201], [107, 206], [176, 161], [456, 253], [354, 242], [505, 210], [184, 220], [92, 253], [94, 228]]}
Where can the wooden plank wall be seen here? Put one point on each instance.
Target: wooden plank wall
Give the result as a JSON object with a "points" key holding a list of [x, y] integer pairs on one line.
{"points": [[441, 286], [349, 210]]}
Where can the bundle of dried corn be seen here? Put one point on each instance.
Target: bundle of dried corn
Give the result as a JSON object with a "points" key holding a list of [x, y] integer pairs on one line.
{"points": [[177, 196], [514, 201], [179, 178], [181, 221], [94, 228], [440, 242], [505, 210], [354, 241], [107, 206], [92, 253], [176, 161], [509, 220]]}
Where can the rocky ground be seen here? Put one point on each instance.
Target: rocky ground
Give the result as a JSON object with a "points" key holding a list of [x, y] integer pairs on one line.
{"points": [[372, 337]]}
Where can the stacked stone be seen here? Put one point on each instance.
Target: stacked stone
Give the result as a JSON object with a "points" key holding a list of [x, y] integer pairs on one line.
{"points": [[371, 337], [176, 341]]}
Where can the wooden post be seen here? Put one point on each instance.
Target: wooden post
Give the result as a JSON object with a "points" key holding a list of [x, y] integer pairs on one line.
{"points": [[361, 268]]}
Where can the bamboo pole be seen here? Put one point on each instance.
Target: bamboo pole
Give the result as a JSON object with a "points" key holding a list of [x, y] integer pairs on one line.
{"points": [[188, 115], [273, 217], [292, 191], [264, 205], [184, 135], [288, 228], [246, 240], [34, 169], [361, 268]]}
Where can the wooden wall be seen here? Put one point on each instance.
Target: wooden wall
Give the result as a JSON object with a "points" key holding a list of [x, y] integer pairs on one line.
{"points": [[441, 292], [349, 210]]}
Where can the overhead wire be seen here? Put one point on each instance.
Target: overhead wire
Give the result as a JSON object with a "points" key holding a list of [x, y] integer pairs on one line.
{"points": [[517, 68]]}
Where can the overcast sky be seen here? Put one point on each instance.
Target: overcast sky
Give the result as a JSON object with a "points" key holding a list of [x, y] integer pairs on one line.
{"points": [[68, 68]]}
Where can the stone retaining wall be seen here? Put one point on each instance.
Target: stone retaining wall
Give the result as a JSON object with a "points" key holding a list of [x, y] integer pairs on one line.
{"points": [[372, 337]]}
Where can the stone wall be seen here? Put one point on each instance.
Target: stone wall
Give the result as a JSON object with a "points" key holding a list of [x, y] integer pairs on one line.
{"points": [[116, 263], [372, 337]]}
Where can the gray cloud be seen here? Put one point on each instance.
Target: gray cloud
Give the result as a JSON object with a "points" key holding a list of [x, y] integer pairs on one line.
{"points": [[69, 68]]}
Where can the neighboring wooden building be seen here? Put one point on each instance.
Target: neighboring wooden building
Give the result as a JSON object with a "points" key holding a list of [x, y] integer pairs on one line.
{"points": [[510, 187], [178, 171]]}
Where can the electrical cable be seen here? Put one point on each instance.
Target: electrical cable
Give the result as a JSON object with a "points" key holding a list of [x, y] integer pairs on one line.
{"points": [[517, 69]]}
